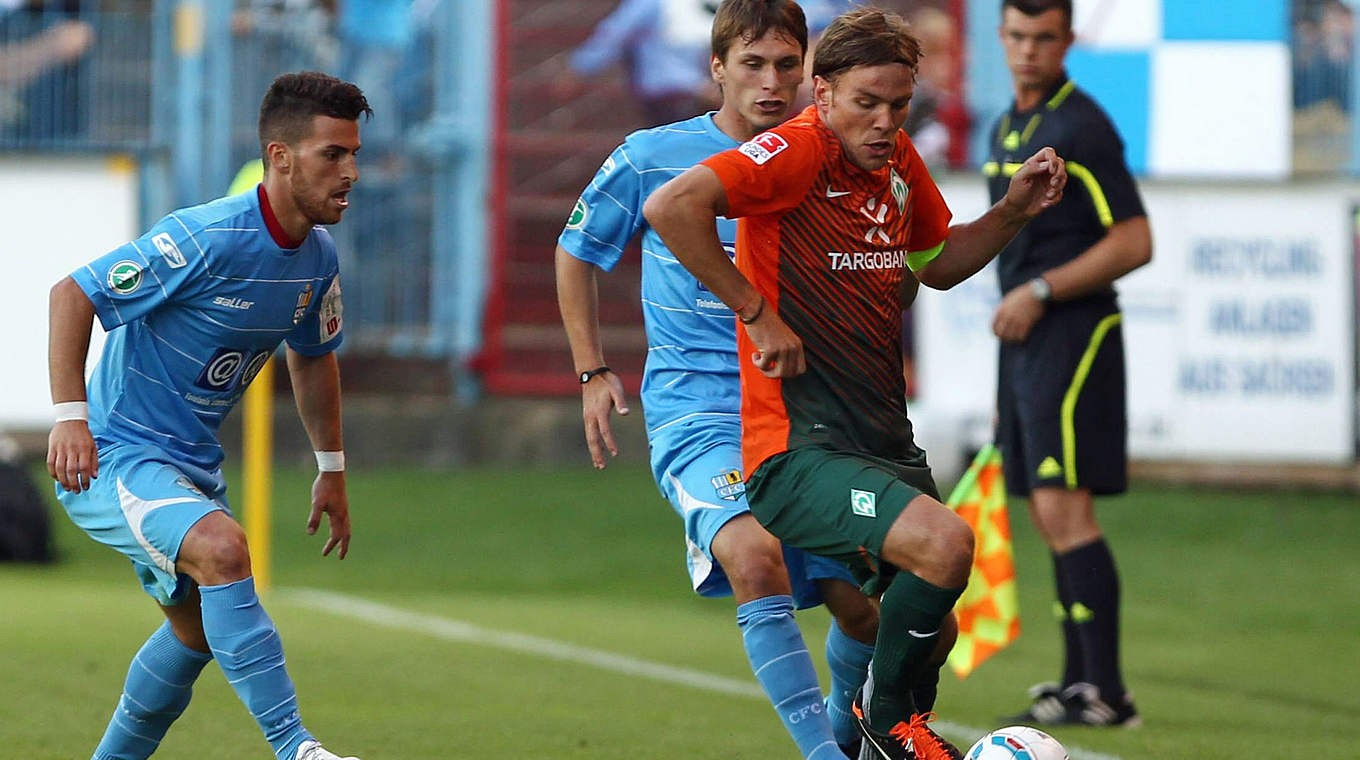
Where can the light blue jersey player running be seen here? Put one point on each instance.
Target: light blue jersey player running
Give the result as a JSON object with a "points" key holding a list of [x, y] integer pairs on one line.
{"points": [[194, 308], [691, 391]]}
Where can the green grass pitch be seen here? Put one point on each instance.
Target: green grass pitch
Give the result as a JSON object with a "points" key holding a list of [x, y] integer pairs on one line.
{"points": [[1240, 630]]}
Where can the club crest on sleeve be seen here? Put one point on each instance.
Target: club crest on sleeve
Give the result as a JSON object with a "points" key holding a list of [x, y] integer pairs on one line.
{"points": [[763, 147], [729, 485], [125, 277]]}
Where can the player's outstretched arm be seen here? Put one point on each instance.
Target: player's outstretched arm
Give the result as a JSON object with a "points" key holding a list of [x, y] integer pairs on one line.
{"points": [[684, 212], [579, 301], [316, 389], [72, 459], [1036, 186]]}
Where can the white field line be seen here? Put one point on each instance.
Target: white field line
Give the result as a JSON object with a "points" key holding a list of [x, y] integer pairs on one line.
{"points": [[387, 616]]}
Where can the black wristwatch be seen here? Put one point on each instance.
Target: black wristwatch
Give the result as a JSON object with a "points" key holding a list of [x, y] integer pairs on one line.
{"points": [[585, 376]]}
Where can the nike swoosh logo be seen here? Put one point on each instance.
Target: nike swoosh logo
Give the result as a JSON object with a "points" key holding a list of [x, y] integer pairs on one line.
{"points": [[925, 635], [835, 193]]}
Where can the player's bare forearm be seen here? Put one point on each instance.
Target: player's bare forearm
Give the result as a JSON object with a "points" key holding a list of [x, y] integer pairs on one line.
{"points": [[1035, 187], [316, 390], [72, 458], [70, 317], [970, 246], [578, 300], [1126, 246], [684, 212]]}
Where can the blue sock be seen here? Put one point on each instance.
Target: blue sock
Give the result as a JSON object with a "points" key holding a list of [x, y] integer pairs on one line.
{"points": [[159, 683], [781, 662], [848, 661], [247, 648]]}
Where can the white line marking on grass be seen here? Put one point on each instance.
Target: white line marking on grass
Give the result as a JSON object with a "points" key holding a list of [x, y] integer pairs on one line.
{"points": [[388, 616]]}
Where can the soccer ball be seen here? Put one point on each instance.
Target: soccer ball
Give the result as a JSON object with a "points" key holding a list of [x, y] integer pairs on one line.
{"points": [[1016, 743]]}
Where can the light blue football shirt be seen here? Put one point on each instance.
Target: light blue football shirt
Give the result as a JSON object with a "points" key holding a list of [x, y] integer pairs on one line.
{"points": [[193, 309], [691, 369]]}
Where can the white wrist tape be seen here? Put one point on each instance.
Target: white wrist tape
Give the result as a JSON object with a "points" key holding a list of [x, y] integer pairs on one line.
{"points": [[330, 461], [70, 410]]}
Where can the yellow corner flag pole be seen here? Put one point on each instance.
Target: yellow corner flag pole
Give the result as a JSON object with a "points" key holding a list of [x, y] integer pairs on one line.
{"points": [[258, 441], [988, 611], [257, 434]]}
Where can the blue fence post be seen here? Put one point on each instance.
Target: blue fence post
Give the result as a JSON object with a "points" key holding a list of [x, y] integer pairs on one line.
{"points": [[156, 170], [190, 91], [1354, 164], [456, 140], [216, 157]]}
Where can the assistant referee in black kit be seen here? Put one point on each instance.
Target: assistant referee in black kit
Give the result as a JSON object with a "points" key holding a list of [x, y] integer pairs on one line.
{"points": [[1060, 395]]}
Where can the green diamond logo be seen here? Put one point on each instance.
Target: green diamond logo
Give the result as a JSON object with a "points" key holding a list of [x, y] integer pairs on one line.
{"points": [[863, 503]]}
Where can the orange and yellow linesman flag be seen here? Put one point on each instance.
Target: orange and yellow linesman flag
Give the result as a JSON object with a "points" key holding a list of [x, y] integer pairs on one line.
{"points": [[988, 611]]}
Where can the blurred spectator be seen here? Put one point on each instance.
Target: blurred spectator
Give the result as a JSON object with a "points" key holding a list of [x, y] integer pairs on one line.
{"points": [[299, 30], [669, 76], [939, 120], [375, 37], [1324, 52], [41, 45], [1324, 41]]}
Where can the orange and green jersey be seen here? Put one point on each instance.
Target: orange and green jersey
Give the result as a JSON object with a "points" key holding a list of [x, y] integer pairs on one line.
{"points": [[827, 244]]}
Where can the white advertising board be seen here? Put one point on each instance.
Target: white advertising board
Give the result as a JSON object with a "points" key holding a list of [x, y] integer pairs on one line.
{"points": [[58, 213], [1240, 335]]}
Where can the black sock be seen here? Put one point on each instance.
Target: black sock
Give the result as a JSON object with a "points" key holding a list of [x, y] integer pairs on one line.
{"points": [[925, 687], [1062, 610], [1094, 585], [909, 621]]}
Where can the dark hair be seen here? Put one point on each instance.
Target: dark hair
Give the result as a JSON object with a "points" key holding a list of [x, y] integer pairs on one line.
{"points": [[1036, 7], [865, 37], [293, 99], [749, 20]]}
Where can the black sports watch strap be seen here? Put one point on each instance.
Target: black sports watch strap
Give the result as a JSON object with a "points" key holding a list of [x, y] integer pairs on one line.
{"points": [[585, 376]]}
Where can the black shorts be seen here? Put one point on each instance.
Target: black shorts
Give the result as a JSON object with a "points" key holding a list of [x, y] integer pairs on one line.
{"points": [[1061, 409]]}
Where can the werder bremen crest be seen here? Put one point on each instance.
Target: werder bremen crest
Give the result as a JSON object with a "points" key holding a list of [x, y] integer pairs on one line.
{"points": [[304, 300], [899, 191]]}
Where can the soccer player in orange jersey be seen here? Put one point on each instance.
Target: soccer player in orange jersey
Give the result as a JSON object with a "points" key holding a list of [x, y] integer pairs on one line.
{"points": [[835, 207]]}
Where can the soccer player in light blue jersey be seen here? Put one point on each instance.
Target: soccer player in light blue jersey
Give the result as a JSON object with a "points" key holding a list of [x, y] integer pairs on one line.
{"points": [[691, 392], [194, 308]]}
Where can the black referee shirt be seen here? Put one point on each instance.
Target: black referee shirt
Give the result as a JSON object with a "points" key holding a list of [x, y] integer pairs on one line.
{"points": [[1100, 190]]}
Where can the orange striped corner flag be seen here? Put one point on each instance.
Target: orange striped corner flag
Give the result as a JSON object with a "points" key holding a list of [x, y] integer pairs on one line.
{"points": [[988, 611]]}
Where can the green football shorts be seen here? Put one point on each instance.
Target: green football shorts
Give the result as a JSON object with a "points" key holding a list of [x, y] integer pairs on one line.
{"points": [[837, 504]]}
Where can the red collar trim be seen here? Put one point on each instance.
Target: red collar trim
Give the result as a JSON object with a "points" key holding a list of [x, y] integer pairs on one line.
{"points": [[271, 222]]}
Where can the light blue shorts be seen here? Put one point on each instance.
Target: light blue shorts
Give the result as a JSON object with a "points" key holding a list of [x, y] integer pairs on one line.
{"points": [[698, 469], [142, 504]]}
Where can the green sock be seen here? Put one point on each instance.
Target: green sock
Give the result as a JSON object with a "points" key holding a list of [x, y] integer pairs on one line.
{"points": [[908, 628]]}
